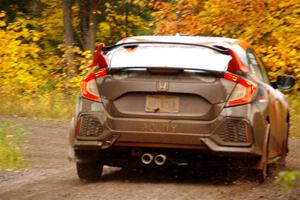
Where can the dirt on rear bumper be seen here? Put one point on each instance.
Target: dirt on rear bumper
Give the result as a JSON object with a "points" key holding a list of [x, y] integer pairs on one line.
{"points": [[99, 130]]}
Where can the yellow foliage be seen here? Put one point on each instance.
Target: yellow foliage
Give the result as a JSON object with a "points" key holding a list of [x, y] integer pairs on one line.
{"points": [[33, 58], [51, 19], [271, 26], [28, 64], [21, 69]]}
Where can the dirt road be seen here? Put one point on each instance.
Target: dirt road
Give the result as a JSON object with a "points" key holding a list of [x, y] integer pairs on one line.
{"points": [[51, 176]]}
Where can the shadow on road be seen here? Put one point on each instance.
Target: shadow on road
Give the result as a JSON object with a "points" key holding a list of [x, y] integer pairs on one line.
{"points": [[182, 174]]}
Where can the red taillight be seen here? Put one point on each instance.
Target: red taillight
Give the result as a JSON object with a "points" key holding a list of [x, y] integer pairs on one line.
{"points": [[88, 86], [231, 77], [243, 91]]}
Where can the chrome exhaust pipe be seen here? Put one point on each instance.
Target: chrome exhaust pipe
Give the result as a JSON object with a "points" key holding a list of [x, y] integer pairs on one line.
{"points": [[147, 158], [160, 159]]}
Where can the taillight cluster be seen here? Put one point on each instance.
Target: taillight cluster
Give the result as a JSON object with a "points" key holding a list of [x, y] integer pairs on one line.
{"points": [[243, 92], [88, 86]]}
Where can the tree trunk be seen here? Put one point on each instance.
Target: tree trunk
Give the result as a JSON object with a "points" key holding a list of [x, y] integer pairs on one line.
{"points": [[69, 69], [93, 24], [68, 29], [88, 23], [84, 19]]}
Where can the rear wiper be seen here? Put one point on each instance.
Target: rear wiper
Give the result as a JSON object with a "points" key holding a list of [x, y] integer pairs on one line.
{"points": [[171, 70], [132, 45], [218, 74], [125, 69]]}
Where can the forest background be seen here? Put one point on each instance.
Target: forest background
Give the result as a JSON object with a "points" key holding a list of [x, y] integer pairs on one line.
{"points": [[46, 45]]}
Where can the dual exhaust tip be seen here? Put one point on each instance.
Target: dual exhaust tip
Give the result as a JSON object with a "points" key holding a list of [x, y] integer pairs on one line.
{"points": [[159, 159]]}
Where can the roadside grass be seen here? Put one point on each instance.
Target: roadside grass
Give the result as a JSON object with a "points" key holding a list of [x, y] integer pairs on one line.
{"points": [[11, 136], [288, 180], [46, 106]]}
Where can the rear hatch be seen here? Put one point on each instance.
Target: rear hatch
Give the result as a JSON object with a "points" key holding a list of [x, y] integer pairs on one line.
{"points": [[187, 94], [165, 81]]}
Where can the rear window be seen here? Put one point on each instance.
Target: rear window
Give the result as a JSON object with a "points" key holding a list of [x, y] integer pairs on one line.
{"points": [[173, 56]]}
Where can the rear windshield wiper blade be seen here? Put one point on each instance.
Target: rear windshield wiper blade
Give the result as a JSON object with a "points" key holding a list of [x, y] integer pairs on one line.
{"points": [[218, 74]]}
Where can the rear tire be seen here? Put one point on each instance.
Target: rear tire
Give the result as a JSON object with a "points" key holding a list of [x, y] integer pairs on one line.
{"points": [[89, 171]]}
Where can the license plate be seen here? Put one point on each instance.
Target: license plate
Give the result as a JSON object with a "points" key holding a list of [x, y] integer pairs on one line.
{"points": [[162, 104]]}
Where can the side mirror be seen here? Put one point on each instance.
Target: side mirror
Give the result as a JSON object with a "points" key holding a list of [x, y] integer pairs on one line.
{"points": [[284, 82]]}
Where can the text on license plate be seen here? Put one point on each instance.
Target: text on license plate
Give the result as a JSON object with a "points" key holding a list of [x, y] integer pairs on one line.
{"points": [[162, 103]]}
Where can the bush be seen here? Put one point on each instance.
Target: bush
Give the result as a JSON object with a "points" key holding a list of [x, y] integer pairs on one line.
{"points": [[288, 179]]}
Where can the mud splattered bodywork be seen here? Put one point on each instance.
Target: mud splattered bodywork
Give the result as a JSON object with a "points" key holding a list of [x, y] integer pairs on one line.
{"points": [[170, 100]]}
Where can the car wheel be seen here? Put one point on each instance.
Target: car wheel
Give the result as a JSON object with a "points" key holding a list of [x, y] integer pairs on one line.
{"points": [[89, 171]]}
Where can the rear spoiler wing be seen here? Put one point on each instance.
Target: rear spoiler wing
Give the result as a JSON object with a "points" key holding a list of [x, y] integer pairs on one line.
{"points": [[136, 44], [235, 65]]}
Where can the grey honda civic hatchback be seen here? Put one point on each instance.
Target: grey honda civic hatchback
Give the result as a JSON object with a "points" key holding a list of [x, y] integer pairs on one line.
{"points": [[172, 100]]}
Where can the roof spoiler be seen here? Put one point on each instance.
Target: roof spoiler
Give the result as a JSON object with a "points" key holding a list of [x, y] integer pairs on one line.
{"points": [[235, 65], [99, 58], [136, 44]]}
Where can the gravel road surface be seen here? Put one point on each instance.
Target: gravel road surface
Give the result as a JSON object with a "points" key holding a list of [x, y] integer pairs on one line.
{"points": [[49, 175]]}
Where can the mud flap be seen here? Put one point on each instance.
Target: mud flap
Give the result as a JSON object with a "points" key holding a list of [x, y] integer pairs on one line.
{"points": [[264, 158], [71, 152]]}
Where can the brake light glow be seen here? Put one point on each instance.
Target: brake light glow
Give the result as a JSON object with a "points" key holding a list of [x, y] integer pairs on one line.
{"points": [[243, 92], [231, 77], [88, 86]]}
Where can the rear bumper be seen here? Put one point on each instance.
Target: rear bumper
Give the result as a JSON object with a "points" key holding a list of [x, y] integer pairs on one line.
{"points": [[164, 133], [204, 144]]}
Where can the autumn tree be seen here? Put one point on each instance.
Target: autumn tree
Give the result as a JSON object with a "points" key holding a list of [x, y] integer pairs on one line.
{"points": [[107, 21], [271, 26], [51, 41]]}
